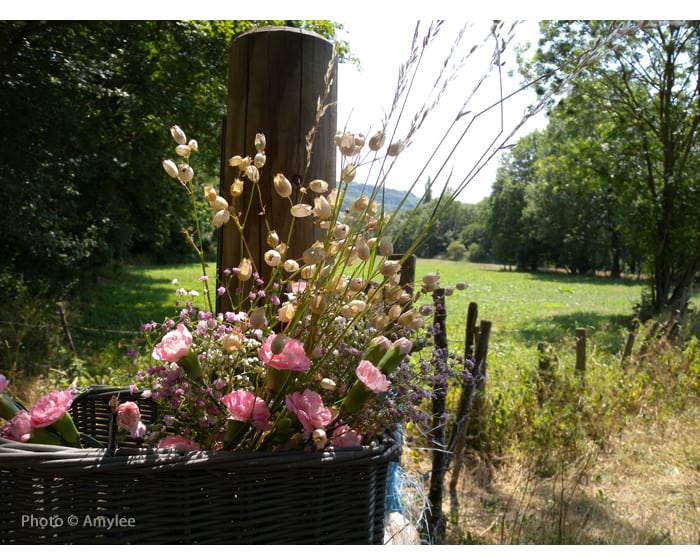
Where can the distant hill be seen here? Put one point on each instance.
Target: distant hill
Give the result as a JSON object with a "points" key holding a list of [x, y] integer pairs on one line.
{"points": [[392, 198]]}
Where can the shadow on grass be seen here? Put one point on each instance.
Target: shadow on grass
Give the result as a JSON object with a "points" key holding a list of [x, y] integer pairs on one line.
{"points": [[113, 310], [564, 277], [545, 516], [606, 329]]}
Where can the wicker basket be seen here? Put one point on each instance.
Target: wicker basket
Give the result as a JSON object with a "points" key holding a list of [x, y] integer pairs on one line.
{"points": [[136, 495]]}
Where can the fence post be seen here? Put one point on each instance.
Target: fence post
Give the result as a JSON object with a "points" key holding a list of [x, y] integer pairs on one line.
{"points": [[628, 348], [580, 350], [470, 335], [276, 77], [64, 324], [436, 519]]}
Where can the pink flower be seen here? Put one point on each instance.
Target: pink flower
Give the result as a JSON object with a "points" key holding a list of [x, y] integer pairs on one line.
{"points": [[309, 409], [297, 287], [3, 384], [178, 443], [129, 418], [372, 377], [382, 342], [18, 428], [174, 345], [403, 345], [245, 406], [343, 437], [50, 408], [293, 357]]}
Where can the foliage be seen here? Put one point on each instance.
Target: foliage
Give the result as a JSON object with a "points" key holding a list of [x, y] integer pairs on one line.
{"points": [[456, 250], [645, 81], [83, 103]]}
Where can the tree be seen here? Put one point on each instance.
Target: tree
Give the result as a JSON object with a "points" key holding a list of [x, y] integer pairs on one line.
{"points": [[409, 226], [85, 108], [456, 251], [648, 79], [509, 237]]}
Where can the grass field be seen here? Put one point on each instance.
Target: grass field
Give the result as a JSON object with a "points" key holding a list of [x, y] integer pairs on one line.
{"points": [[524, 308], [528, 308]]}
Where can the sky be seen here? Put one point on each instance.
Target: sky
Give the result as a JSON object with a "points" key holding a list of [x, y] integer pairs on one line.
{"points": [[365, 93]]}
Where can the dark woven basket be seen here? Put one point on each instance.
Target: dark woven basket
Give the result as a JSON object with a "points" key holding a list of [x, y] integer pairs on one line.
{"points": [[136, 495]]}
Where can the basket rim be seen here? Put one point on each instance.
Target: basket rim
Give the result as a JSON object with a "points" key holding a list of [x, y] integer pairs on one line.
{"points": [[20, 454]]}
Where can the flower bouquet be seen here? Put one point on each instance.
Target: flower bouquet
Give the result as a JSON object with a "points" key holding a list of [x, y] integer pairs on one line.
{"points": [[295, 391], [316, 356]]}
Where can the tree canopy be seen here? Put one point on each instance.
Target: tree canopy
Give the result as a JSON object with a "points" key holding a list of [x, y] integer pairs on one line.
{"points": [[641, 96], [84, 106]]}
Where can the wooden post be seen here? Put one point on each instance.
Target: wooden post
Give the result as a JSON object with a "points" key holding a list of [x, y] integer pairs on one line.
{"points": [[628, 348], [456, 445], [470, 335], [408, 272], [580, 349], [66, 330], [475, 426], [276, 77], [435, 517]]}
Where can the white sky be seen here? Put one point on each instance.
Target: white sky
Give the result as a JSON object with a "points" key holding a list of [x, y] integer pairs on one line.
{"points": [[365, 93]]}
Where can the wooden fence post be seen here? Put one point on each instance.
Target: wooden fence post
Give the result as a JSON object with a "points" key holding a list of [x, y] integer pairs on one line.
{"points": [[471, 331], [629, 344], [436, 519], [476, 427], [64, 323], [580, 350], [276, 77]]}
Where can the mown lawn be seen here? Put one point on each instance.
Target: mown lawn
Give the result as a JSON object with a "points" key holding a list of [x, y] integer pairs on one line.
{"points": [[523, 308]]}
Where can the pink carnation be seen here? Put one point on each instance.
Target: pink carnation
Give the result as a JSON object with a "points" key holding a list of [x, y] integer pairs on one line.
{"points": [[3, 384], [293, 357], [174, 345], [372, 377], [403, 345], [245, 406], [129, 418], [297, 287], [18, 428], [309, 409], [178, 443], [343, 436], [50, 408]]}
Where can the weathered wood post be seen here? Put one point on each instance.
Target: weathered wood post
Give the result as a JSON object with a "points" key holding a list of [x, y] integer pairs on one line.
{"points": [[435, 517], [276, 77], [580, 350], [627, 352]]}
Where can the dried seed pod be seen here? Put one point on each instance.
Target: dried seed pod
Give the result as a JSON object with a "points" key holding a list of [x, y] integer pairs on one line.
{"points": [[260, 142], [376, 142], [319, 186], [178, 135]]}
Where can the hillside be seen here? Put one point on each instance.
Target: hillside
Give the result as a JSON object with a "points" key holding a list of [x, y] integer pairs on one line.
{"points": [[392, 198]]}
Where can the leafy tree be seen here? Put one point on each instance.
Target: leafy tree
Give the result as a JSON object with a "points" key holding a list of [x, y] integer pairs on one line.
{"points": [[456, 251], [410, 225], [85, 107], [506, 228], [648, 80]]}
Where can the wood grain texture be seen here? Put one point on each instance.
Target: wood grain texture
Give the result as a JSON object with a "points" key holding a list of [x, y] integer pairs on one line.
{"points": [[276, 75]]}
